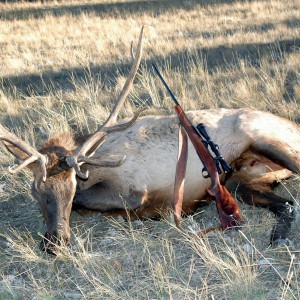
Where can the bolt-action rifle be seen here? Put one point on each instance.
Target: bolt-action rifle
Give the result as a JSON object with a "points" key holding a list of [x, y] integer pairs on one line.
{"points": [[227, 207]]}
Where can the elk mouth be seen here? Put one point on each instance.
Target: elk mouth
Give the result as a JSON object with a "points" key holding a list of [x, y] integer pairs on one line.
{"points": [[50, 244]]}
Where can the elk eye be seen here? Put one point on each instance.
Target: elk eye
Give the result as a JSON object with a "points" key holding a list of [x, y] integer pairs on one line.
{"points": [[63, 164]]}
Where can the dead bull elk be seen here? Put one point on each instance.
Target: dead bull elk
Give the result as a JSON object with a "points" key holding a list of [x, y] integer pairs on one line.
{"points": [[254, 142], [56, 165]]}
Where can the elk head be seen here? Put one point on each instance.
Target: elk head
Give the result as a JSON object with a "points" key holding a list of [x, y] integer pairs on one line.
{"points": [[56, 165]]}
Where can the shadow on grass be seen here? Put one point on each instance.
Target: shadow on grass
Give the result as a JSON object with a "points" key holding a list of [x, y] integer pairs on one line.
{"points": [[108, 9], [218, 57]]}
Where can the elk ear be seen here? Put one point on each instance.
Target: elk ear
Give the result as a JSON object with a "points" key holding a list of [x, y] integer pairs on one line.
{"points": [[17, 152]]}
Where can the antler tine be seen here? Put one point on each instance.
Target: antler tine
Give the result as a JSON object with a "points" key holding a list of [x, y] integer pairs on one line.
{"points": [[33, 154], [100, 162], [132, 51], [79, 155], [125, 125], [112, 119]]}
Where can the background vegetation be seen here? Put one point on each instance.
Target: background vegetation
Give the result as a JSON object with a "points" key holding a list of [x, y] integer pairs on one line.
{"points": [[63, 65]]}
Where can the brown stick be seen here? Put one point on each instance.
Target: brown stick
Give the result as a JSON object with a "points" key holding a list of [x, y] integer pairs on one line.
{"points": [[205, 231]]}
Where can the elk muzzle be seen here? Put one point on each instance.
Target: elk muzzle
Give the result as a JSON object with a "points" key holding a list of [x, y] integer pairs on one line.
{"points": [[50, 243]]}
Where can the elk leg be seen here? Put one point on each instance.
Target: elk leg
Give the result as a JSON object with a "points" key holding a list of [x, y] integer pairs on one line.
{"points": [[284, 213], [282, 208]]}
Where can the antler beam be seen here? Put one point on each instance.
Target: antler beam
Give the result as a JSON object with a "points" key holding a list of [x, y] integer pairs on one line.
{"points": [[110, 124]]}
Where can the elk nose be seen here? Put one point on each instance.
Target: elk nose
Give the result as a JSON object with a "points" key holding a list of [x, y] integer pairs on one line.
{"points": [[60, 236], [50, 242], [46, 244]]}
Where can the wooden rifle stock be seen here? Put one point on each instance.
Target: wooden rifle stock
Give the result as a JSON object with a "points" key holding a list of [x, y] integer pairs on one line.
{"points": [[227, 207]]}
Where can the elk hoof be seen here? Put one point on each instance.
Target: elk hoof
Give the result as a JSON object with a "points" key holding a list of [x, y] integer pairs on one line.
{"points": [[281, 243]]}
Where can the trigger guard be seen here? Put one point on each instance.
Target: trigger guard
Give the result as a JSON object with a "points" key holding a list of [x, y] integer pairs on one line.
{"points": [[203, 173]]}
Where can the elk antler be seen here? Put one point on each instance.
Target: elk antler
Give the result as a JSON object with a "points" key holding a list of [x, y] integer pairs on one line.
{"points": [[110, 125], [33, 155]]}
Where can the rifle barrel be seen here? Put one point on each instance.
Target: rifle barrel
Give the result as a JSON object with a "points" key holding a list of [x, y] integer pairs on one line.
{"points": [[165, 84]]}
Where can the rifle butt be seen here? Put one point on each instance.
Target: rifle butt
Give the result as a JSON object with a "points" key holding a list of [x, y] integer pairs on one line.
{"points": [[228, 209]]}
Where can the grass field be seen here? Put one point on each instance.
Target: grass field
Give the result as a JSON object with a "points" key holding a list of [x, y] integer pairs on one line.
{"points": [[63, 64]]}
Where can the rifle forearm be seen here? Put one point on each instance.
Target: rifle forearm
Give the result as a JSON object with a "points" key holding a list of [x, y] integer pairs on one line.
{"points": [[202, 152]]}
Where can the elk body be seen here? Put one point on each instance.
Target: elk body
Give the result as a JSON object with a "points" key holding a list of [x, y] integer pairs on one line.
{"points": [[261, 147], [133, 171]]}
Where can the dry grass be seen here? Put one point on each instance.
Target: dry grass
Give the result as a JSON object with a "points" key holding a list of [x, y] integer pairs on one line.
{"points": [[64, 63]]}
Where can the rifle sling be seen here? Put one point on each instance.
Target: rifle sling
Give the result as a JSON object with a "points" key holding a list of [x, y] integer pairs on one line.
{"points": [[180, 174]]}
